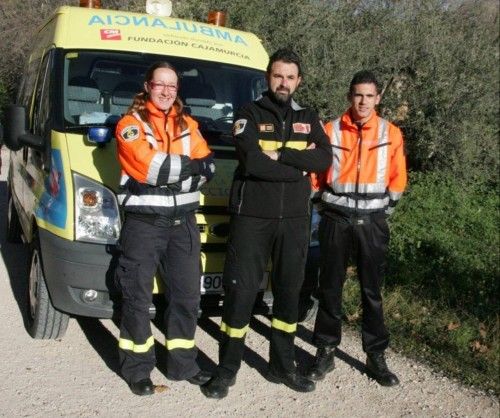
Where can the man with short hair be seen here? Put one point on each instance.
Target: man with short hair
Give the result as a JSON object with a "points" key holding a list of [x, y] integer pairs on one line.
{"points": [[277, 143], [356, 195]]}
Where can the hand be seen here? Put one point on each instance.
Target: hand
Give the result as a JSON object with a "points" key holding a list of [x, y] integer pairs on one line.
{"points": [[312, 145], [273, 155], [203, 167]]}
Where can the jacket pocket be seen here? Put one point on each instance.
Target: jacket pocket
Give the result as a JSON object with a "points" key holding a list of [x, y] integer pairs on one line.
{"points": [[126, 276], [385, 144], [236, 195]]}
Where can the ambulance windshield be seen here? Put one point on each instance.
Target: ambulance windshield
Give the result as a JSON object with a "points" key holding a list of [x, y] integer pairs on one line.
{"points": [[99, 86]]}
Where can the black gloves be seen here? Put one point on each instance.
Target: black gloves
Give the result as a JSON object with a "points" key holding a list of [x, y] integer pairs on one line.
{"points": [[203, 166]]}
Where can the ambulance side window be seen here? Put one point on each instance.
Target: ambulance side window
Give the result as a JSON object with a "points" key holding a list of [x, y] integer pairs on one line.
{"points": [[259, 86], [41, 109], [25, 93]]}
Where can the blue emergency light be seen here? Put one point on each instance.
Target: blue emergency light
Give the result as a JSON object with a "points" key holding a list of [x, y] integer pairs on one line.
{"points": [[99, 135]]}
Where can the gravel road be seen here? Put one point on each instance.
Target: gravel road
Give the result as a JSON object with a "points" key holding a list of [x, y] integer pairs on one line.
{"points": [[77, 376]]}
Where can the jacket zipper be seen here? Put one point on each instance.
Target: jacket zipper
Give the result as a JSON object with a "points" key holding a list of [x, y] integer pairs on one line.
{"points": [[174, 194], [168, 136], [282, 183], [358, 168]]}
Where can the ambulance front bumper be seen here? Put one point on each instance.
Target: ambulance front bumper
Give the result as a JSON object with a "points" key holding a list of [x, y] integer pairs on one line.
{"points": [[79, 276]]}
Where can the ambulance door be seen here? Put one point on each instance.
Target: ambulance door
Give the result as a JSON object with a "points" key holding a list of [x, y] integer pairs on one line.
{"points": [[37, 159], [17, 173]]}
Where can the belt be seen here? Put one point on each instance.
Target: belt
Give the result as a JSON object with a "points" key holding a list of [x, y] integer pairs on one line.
{"points": [[157, 220], [355, 219], [164, 221]]}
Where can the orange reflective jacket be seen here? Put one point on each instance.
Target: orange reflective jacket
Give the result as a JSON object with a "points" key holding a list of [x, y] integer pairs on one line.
{"points": [[156, 160], [368, 173]]}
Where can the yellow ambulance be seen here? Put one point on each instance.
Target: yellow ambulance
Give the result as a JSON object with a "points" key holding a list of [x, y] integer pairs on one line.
{"points": [[84, 68]]}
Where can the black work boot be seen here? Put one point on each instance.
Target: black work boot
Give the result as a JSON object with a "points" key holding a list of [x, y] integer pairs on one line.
{"points": [[199, 378], [378, 370], [143, 387], [217, 387], [324, 362], [293, 380]]}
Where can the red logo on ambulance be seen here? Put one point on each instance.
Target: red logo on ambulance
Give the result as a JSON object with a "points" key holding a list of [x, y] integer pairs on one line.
{"points": [[111, 35]]}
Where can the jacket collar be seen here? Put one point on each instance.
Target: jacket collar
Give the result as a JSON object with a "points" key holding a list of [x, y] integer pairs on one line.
{"points": [[158, 113], [266, 101], [370, 123]]}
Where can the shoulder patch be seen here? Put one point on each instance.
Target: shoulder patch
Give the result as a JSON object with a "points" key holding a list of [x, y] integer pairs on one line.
{"points": [[130, 133], [239, 126]]}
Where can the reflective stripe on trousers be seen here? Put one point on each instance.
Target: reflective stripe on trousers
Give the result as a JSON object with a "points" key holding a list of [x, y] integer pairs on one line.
{"points": [[129, 345]]}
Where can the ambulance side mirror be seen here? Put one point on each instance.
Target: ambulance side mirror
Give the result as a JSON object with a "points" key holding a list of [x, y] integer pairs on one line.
{"points": [[16, 124]]}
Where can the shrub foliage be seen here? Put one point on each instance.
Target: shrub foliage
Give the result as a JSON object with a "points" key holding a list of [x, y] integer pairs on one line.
{"points": [[445, 243]]}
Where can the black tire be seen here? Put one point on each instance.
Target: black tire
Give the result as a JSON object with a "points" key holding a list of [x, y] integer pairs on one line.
{"points": [[44, 321], [14, 229]]}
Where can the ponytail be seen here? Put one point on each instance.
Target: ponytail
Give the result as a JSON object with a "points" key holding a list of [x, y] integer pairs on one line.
{"points": [[139, 106]]}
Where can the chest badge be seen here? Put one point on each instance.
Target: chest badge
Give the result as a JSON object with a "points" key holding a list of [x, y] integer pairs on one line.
{"points": [[301, 128], [266, 127]]}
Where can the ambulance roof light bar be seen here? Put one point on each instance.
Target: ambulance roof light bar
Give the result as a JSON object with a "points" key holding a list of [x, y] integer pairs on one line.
{"points": [[161, 8], [91, 4], [217, 17]]}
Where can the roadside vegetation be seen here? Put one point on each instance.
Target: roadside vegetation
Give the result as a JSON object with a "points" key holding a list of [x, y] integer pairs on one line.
{"points": [[438, 60]]}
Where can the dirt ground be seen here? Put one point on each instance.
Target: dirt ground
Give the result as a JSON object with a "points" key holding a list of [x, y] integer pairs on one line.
{"points": [[78, 375]]}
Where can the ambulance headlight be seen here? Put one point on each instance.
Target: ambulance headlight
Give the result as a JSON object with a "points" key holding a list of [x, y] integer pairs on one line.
{"points": [[97, 217]]}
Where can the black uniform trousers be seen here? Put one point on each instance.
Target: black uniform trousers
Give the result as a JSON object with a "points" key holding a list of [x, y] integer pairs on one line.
{"points": [[252, 241], [365, 239], [174, 250]]}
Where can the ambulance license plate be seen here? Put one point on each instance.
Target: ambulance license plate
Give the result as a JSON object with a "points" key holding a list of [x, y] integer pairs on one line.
{"points": [[212, 282]]}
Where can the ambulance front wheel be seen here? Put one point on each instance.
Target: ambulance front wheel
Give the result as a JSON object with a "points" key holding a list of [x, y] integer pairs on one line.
{"points": [[43, 320]]}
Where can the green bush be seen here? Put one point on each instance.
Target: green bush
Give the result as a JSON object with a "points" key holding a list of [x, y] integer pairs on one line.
{"points": [[445, 243]]}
